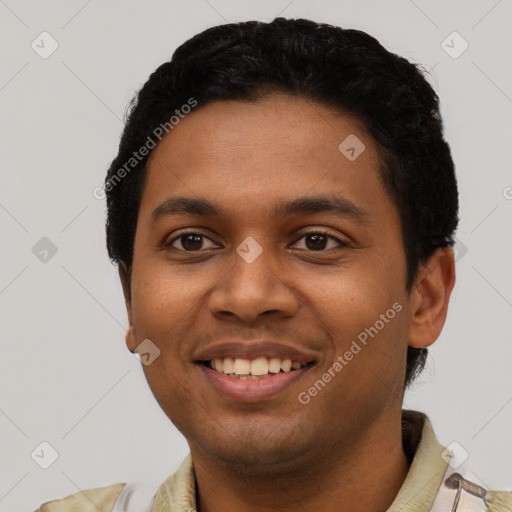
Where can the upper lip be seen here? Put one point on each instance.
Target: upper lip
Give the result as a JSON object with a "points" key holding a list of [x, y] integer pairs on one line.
{"points": [[253, 349]]}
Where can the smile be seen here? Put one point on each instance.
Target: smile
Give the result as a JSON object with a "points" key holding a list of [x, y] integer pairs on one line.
{"points": [[259, 368], [235, 379]]}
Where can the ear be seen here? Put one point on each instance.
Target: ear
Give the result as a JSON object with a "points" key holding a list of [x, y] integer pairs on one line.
{"points": [[124, 275], [430, 296]]}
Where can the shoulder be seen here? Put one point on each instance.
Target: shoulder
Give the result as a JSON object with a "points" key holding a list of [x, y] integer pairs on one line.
{"points": [[453, 482], [101, 499], [499, 501]]}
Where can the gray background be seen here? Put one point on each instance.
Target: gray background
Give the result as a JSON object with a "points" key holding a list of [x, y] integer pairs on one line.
{"points": [[66, 376]]}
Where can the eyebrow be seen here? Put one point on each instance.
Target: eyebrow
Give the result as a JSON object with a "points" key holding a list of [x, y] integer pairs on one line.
{"points": [[339, 206]]}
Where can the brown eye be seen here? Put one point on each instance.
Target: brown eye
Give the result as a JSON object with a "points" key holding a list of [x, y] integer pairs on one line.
{"points": [[188, 242], [191, 242], [318, 241]]}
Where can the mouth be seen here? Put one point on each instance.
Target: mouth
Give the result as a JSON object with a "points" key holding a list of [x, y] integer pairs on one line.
{"points": [[255, 369], [252, 380]]}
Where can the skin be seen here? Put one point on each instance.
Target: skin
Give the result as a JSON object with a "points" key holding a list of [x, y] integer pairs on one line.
{"points": [[343, 450]]}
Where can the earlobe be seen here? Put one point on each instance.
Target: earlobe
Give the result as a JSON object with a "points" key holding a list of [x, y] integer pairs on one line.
{"points": [[130, 339], [125, 282], [430, 297]]}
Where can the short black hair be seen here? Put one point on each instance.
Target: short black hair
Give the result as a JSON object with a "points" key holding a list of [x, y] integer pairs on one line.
{"points": [[346, 70]]}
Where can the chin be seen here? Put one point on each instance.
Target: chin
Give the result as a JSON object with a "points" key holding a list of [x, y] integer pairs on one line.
{"points": [[255, 448], [256, 459]]}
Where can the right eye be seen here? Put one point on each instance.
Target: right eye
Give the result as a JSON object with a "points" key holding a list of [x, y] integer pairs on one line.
{"points": [[191, 241]]}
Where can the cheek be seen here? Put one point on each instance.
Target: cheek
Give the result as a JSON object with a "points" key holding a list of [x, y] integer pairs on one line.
{"points": [[165, 311], [352, 299], [160, 297], [363, 312]]}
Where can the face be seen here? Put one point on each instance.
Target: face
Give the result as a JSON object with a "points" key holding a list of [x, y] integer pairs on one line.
{"points": [[284, 252]]}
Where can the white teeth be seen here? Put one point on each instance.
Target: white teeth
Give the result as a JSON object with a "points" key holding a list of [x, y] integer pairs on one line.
{"points": [[229, 363], [286, 365], [259, 366], [242, 366], [274, 365]]}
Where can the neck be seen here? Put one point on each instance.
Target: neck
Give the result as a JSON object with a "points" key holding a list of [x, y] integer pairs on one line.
{"points": [[364, 476]]}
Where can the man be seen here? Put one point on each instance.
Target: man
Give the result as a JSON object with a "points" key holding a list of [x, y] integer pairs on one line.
{"points": [[282, 211]]}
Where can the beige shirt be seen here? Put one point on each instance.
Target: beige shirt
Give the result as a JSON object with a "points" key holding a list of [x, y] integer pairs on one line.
{"points": [[430, 467]]}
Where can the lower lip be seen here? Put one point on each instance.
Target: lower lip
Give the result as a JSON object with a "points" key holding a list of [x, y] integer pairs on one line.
{"points": [[254, 390]]}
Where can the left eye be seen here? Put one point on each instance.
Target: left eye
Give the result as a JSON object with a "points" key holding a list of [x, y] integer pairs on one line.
{"points": [[318, 240]]}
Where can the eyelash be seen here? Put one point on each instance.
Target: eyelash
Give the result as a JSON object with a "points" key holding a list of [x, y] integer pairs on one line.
{"points": [[168, 245]]}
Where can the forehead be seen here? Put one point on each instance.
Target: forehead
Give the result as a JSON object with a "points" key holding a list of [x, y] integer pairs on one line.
{"points": [[246, 155]]}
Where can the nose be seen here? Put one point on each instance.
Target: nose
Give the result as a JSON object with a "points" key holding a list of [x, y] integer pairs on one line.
{"points": [[253, 288]]}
